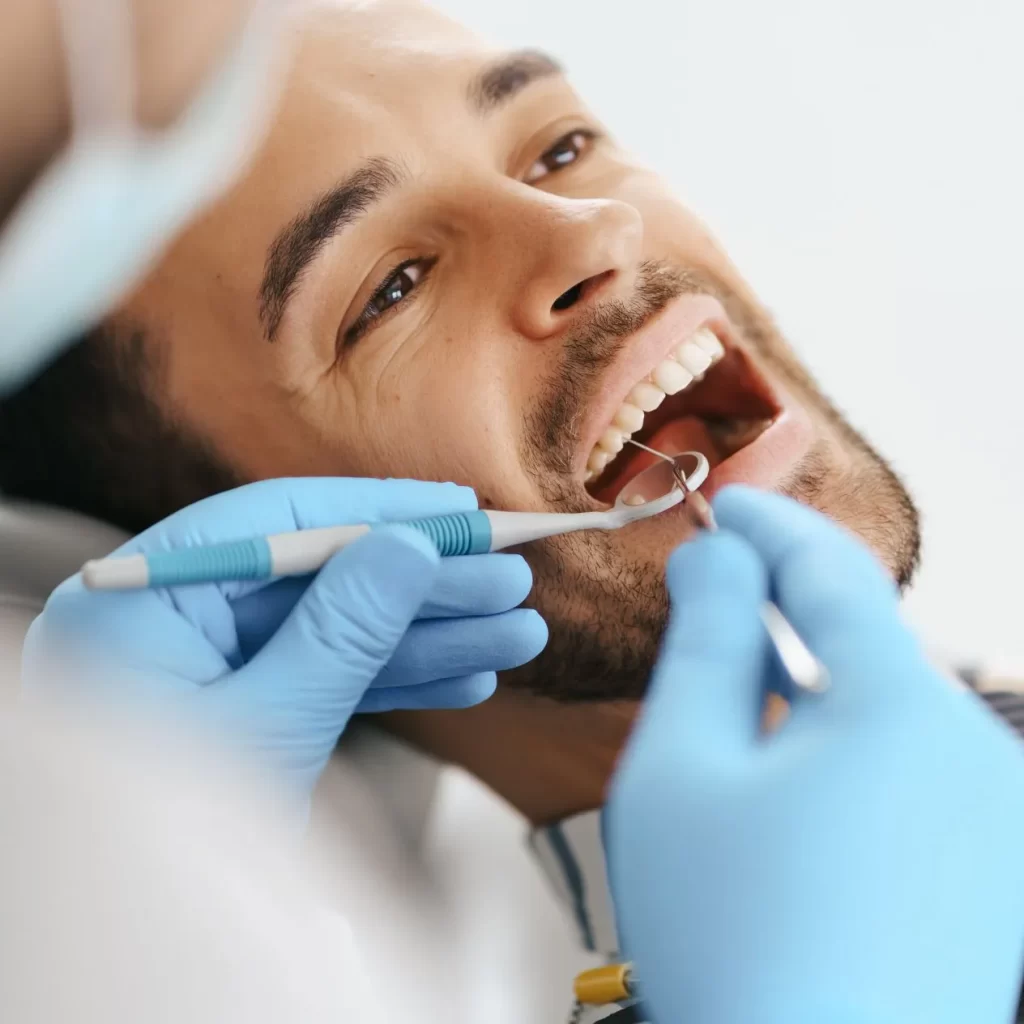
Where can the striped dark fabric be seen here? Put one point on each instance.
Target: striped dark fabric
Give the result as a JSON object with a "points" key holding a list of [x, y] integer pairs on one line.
{"points": [[634, 1014], [1010, 706]]}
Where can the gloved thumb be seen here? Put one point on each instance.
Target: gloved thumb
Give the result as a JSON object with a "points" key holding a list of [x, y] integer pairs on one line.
{"points": [[706, 693], [307, 680]]}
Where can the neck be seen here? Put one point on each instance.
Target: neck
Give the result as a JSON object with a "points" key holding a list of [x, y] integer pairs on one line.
{"points": [[549, 760]]}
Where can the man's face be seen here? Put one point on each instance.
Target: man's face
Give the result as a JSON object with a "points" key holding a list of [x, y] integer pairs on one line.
{"points": [[442, 266]]}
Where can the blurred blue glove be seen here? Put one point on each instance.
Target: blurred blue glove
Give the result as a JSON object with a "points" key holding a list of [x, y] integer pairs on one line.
{"points": [[860, 865], [280, 669]]}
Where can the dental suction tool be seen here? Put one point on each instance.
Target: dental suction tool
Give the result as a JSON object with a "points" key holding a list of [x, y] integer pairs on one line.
{"points": [[305, 551], [804, 669]]}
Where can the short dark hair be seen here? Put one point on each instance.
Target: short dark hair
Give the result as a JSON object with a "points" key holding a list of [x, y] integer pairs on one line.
{"points": [[87, 435]]}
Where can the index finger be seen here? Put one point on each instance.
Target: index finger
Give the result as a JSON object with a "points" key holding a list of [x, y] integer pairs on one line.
{"points": [[829, 584], [707, 689]]}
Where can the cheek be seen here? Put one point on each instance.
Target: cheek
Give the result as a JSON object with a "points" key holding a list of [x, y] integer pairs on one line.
{"points": [[215, 395], [672, 226], [450, 419]]}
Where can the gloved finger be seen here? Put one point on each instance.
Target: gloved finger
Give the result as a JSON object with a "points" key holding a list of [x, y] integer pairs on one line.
{"points": [[300, 503], [313, 672], [478, 585], [463, 692], [441, 648], [707, 689], [468, 586], [781, 529], [259, 615], [830, 586]]}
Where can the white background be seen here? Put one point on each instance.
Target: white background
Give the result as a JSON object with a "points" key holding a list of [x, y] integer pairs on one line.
{"points": [[864, 164]]}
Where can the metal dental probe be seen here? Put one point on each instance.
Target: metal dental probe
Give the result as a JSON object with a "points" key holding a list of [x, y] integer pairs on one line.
{"points": [[806, 671]]}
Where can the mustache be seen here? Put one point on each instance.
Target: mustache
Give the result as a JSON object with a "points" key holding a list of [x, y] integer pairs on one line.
{"points": [[553, 427]]}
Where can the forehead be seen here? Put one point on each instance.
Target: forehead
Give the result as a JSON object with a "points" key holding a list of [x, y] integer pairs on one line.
{"points": [[373, 63], [390, 78]]}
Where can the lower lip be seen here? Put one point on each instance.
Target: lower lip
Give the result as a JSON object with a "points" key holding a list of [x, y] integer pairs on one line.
{"points": [[771, 457]]}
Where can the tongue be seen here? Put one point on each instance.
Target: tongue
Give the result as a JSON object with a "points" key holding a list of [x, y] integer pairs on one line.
{"points": [[689, 434]]}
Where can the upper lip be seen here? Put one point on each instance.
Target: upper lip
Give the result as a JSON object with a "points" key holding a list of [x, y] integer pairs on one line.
{"points": [[647, 347]]}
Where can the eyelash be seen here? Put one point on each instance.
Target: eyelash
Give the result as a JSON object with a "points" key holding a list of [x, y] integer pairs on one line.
{"points": [[587, 137], [370, 318]]}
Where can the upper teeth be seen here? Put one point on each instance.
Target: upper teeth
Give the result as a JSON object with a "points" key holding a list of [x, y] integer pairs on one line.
{"points": [[687, 363]]}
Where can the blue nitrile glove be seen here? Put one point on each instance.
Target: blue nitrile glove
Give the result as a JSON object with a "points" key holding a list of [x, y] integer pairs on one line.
{"points": [[862, 864], [281, 668]]}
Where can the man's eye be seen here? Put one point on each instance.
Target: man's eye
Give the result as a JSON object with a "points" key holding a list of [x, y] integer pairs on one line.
{"points": [[400, 283], [567, 150]]}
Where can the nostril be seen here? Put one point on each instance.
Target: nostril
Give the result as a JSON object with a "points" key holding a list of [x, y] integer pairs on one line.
{"points": [[586, 287], [568, 299]]}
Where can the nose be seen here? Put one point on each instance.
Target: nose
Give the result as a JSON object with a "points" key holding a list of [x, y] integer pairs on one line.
{"points": [[582, 252]]}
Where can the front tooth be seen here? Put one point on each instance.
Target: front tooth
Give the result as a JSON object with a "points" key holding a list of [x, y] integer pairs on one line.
{"points": [[612, 441], [694, 359], [671, 377], [629, 418], [599, 458], [646, 396], [635, 499], [707, 340]]}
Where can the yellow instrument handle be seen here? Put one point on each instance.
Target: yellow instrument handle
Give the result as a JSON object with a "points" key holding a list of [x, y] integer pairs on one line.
{"points": [[603, 984]]}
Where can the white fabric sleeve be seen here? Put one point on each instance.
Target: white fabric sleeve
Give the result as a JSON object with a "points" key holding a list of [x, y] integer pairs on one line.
{"points": [[135, 888]]}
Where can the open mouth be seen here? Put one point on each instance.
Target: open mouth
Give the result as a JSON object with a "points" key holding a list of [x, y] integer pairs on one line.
{"points": [[705, 395]]}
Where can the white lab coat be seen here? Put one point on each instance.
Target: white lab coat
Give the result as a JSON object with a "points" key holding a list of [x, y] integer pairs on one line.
{"points": [[137, 886], [509, 948]]}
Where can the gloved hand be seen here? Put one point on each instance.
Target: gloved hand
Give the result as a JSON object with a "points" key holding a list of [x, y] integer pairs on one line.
{"points": [[280, 669], [861, 864]]}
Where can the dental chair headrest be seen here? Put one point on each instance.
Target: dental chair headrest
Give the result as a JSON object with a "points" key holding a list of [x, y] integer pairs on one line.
{"points": [[40, 547]]}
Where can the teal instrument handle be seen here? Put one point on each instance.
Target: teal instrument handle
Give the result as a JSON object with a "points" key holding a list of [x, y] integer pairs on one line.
{"points": [[458, 533], [255, 558], [248, 559]]}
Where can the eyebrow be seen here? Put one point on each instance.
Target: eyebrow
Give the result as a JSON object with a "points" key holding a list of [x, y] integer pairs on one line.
{"points": [[297, 245], [499, 82]]}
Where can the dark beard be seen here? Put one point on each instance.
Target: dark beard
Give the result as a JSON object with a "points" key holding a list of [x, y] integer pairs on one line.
{"points": [[606, 611]]}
